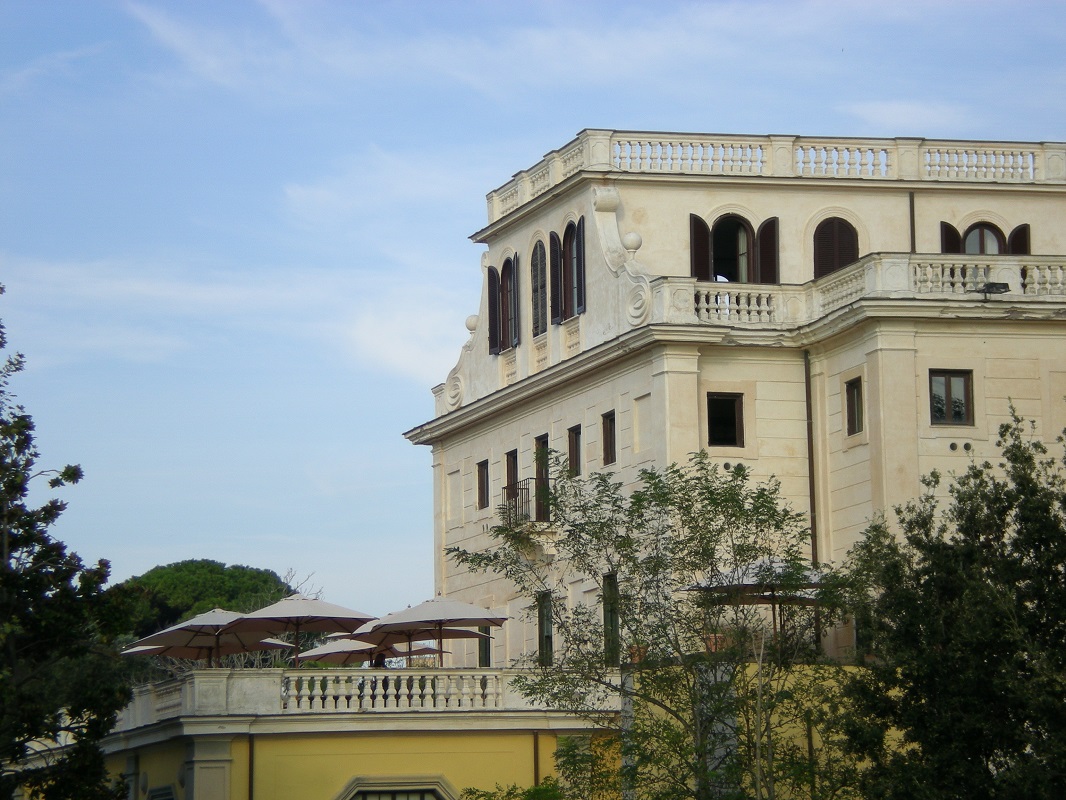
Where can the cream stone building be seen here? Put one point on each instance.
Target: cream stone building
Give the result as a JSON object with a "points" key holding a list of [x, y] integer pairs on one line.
{"points": [[844, 314]]}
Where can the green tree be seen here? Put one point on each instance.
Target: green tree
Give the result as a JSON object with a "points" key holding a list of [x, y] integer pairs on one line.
{"points": [[704, 680], [171, 593], [964, 616], [60, 678]]}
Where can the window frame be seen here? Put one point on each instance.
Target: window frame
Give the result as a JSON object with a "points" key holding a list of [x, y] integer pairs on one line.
{"points": [[541, 479], [854, 410], [567, 272], [968, 400], [609, 437], [736, 400], [573, 450], [545, 630], [612, 631], [484, 494], [539, 288]]}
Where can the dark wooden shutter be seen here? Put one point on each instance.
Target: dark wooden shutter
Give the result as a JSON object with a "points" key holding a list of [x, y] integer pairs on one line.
{"points": [[836, 244], [950, 239], [579, 269], [766, 252], [556, 277], [514, 298], [494, 310], [699, 236], [539, 289], [1018, 243]]}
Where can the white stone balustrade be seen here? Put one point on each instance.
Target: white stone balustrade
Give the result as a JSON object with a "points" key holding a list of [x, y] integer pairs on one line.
{"points": [[783, 156], [264, 692], [895, 276]]}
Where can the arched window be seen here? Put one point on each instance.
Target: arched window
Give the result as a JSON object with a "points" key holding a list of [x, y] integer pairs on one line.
{"points": [[539, 289], [568, 272], [503, 306], [729, 252], [836, 244], [509, 304], [983, 238]]}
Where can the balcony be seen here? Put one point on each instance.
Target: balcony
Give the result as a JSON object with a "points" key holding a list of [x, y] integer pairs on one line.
{"points": [[925, 160], [354, 691], [912, 279]]}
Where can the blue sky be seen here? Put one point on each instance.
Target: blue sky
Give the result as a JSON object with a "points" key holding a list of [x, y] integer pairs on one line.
{"points": [[234, 236]]}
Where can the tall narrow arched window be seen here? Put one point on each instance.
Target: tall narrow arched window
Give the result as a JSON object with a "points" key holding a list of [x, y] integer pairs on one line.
{"points": [[493, 304], [836, 244], [731, 249], [731, 253], [539, 288], [985, 238], [568, 272], [509, 304]]}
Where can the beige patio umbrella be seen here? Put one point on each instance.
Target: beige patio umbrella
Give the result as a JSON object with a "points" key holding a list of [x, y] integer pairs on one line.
{"points": [[434, 617], [220, 646], [201, 634], [298, 614]]}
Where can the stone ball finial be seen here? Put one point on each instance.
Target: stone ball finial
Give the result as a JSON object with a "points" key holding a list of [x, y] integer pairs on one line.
{"points": [[471, 323], [632, 241]]}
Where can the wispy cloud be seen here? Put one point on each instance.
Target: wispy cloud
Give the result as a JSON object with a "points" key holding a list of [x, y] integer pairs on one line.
{"points": [[62, 63]]}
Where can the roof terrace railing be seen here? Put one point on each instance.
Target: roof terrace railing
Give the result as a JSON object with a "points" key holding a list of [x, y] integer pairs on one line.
{"points": [[784, 157]]}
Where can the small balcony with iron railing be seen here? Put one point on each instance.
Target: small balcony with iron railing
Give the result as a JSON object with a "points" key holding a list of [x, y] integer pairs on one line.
{"points": [[526, 501]]}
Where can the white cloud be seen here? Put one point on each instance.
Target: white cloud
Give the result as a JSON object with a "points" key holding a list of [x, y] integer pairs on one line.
{"points": [[62, 63]]}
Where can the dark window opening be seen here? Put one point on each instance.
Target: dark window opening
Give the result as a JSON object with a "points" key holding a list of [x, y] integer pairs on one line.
{"points": [[539, 289], [568, 272], [484, 647], [545, 646], [541, 503], [731, 253], [494, 310], [573, 449], [836, 244], [509, 304], [731, 249], [483, 484], [607, 433], [853, 405], [612, 649], [725, 419], [951, 397]]}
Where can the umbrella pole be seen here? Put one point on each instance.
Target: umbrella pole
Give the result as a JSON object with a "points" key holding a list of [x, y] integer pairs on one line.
{"points": [[440, 645], [296, 646]]}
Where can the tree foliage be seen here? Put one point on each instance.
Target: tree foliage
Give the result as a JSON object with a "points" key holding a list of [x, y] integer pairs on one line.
{"points": [[965, 621], [708, 700], [60, 678], [171, 593]]}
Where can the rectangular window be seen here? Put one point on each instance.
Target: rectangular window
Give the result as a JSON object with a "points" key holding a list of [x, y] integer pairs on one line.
{"points": [[545, 646], [483, 484], [607, 434], [725, 419], [853, 405], [484, 647], [950, 397], [541, 483], [612, 649], [573, 449]]}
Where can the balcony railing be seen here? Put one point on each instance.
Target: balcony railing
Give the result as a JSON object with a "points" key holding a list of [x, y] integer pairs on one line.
{"points": [[262, 692], [516, 498], [879, 276], [784, 156]]}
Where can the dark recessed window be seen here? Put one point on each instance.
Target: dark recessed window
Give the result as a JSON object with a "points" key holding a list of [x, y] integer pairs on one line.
{"points": [[573, 449], [540, 488], [483, 484], [539, 289], [853, 405], [611, 629], [836, 244], [545, 646], [725, 419], [950, 397], [484, 647], [607, 434], [567, 269]]}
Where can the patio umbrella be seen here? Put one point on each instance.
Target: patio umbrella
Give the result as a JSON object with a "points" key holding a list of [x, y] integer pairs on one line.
{"points": [[434, 617], [222, 646], [202, 633], [350, 651], [298, 614]]}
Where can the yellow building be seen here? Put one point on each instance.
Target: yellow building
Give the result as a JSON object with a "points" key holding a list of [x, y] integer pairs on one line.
{"points": [[844, 314], [341, 734]]}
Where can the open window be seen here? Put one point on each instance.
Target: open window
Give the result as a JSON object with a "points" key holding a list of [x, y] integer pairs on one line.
{"points": [[568, 272], [539, 288], [984, 238], [731, 252], [725, 419], [836, 244]]}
